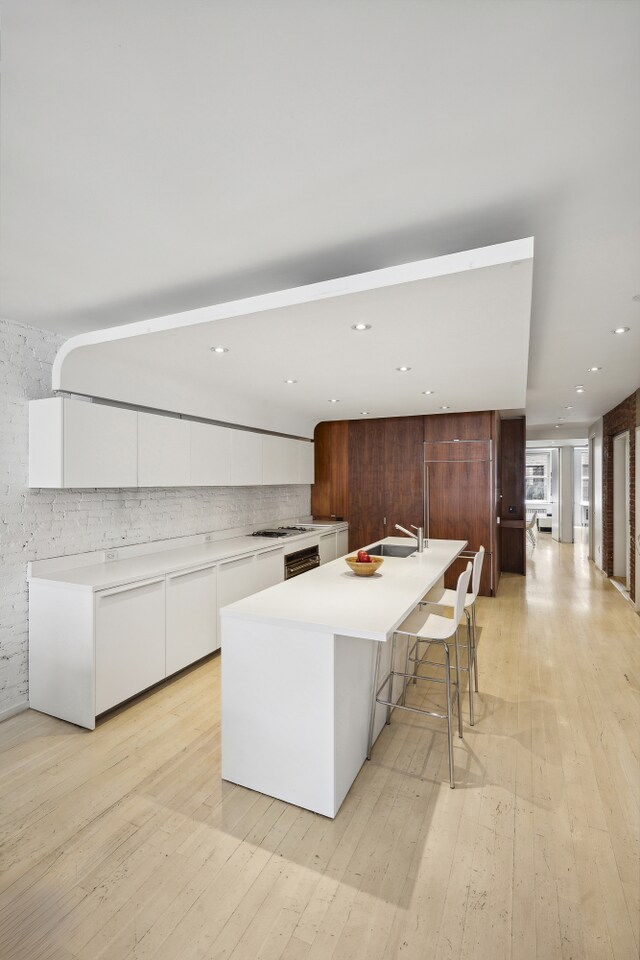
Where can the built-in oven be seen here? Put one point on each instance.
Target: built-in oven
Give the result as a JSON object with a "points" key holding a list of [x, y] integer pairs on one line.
{"points": [[301, 561]]}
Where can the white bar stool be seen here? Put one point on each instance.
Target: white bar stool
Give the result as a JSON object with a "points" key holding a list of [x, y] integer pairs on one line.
{"points": [[431, 628], [443, 597]]}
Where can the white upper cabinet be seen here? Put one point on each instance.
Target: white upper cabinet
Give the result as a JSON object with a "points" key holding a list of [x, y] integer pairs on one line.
{"points": [[164, 450], [210, 455], [306, 462], [279, 460], [73, 443], [246, 458]]}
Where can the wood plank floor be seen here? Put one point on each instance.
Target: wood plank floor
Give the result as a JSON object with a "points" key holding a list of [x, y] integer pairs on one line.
{"points": [[124, 844]]}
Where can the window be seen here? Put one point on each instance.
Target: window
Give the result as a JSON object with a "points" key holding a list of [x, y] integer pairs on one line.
{"points": [[537, 475], [584, 476]]}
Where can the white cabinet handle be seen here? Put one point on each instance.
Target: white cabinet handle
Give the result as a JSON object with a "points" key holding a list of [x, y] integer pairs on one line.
{"points": [[129, 586], [323, 536], [272, 550], [246, 556], [185, 573]]}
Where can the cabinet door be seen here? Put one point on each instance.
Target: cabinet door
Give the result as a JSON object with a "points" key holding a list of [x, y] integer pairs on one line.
{"points": [[269, 568], [130, 641], [330, 491], [236, 579], [327, 547], [246, 458], [210, 455], [163, 451], [279, 460], [305, 462], [366, 482], [403, 474], [459, 501], [99, 445], [192, 620], [342, 543]]}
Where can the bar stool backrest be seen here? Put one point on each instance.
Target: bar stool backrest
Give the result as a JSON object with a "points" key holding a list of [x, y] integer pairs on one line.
{"points": [[478, 560], [461, 593]]}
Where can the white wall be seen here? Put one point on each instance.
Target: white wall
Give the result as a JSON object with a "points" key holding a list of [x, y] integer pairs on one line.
{"points": [[39, 524], [595, 552]]}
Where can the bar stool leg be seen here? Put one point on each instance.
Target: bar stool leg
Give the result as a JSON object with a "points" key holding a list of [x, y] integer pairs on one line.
{"points": [[405, 682], [374, 691], [475, 655], [470, 667], [392, 664], [447, 680], [458, 686]]}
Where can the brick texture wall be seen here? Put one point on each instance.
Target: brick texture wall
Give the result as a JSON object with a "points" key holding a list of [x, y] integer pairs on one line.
{"points": [[39, 524], [616, 421]]}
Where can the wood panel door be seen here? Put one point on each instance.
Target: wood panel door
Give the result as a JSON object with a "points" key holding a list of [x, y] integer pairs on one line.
{"points": [[330, 490], [366, 482], [459, 507], [403, 473]]}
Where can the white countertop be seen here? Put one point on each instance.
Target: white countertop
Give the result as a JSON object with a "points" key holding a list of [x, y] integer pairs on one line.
{"points": [[114, 573], [333, 599]]}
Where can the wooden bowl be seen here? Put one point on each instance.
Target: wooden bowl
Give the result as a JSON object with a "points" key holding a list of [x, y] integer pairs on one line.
{"points": [[364, 569]]}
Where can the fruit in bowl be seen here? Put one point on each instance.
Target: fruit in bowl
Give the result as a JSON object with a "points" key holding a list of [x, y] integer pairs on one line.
{"points": [[363, 565]]}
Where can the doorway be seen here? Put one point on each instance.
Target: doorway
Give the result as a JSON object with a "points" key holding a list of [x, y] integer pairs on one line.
{"points": [[621, 511]]}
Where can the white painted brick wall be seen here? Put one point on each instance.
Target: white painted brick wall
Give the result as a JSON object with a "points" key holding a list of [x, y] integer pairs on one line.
{"points": [[39, 524]]}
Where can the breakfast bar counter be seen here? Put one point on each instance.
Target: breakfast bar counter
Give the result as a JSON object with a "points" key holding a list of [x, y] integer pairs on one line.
{"points": [[297, 673]]}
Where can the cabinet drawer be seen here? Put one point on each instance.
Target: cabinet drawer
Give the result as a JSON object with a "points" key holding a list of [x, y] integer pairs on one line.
{"points": [[129, 641], [191, 617]]}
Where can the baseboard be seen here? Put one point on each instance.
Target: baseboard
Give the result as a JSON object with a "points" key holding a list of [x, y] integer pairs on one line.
{"points": [[11, 711]]}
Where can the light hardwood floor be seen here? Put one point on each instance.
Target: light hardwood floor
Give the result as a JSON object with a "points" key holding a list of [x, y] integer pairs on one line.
{"points": [[124, 843]]}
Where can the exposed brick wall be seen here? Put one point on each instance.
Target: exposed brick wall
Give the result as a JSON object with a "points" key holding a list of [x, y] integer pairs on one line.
{"points": [[616, 421], [38, 524]]}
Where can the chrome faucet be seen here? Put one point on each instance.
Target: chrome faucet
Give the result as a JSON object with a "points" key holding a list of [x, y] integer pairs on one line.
{"points": [[419, 535]]}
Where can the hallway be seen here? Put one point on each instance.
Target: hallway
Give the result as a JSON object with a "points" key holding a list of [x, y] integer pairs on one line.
{"points": [[124, 843]]}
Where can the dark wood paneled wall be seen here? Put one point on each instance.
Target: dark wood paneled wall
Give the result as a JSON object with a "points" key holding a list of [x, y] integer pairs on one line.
{"points": [[366, 482], [372, 471], [330, 491], [513, 509]]}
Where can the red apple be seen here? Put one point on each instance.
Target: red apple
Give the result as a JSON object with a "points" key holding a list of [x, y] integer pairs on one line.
{"points": [[363, 557]]}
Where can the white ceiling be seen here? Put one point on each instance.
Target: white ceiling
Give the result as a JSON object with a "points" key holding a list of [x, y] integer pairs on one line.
{"points": [[161, 156], [460, 324]]}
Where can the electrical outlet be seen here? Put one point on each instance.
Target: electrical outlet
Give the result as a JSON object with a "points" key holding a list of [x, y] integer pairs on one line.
{"points": [[111, 555], [208, 537]]}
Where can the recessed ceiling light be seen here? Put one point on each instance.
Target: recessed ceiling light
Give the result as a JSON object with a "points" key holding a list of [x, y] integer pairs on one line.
{"points": [[364, 413], [219, 349], [291, 381], [593, 369], [568, 407], [561, 418], [444, 408], [579, 388], [427, 393], [403, 369], [621, 330], [334, 401], [361, 326]]}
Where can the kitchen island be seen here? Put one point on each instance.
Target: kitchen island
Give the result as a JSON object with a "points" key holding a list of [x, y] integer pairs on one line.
{"points": [[297, 674]]}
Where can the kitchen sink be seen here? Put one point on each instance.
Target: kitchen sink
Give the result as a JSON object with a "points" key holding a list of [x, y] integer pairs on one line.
{"points": [[391, 550]]}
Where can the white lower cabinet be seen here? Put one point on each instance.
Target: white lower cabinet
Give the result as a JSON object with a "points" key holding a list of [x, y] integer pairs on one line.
{"points": [[342, 543], [327, 547], [130, 641], [192, 617], [269, 569], [235, 579]]}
